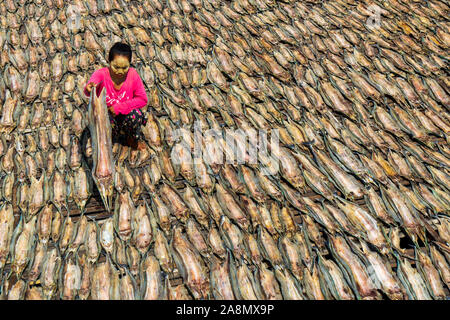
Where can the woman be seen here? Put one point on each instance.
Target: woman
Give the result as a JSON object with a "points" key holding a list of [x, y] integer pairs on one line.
{"points": [[125, 95]]}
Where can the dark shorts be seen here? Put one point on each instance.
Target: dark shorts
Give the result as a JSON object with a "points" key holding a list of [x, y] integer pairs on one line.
{"points": [[128, 125]]}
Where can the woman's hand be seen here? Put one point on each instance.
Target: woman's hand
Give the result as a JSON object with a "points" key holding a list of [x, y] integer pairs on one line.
{"points": [[111, 109], [89, 86]]}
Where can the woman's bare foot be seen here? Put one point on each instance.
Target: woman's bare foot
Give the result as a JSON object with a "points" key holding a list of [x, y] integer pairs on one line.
{"points": [[135, 143], [131, 142], [141, 145]]}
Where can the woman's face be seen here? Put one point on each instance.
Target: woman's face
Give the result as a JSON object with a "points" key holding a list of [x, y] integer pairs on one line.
{"points": [[120, 65]]}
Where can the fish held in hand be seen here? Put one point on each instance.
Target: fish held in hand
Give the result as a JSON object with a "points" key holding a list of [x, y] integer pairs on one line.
{"points": [[103, 169]]}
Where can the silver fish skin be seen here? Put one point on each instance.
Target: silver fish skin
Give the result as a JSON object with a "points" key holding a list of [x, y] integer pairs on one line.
{"points": [[6, 232], [50, 273], [353, 264], [22, 244], [124, 210], [152, 282], [290, 288], [220, 280], [190, 264]]}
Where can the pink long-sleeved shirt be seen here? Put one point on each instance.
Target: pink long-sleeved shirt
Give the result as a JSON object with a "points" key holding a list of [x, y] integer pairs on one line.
{"points": [[131, 95]]}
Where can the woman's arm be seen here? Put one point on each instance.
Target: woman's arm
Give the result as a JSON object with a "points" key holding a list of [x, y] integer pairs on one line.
{"points": [[95, 78], [139, 99]]}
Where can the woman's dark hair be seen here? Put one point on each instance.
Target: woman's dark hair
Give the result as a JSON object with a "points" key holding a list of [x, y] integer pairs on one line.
{"points": [[121, 49]]}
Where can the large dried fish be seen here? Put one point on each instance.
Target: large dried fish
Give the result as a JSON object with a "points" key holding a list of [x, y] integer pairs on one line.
{"points": [[152, 282], [190, 265], [22, 244], [103, 169], [6, 232], [124, 215], [50, 273]]}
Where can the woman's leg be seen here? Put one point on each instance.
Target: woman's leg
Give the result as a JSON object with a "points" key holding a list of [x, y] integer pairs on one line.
{"points": [[132, 123], [115, 125]]}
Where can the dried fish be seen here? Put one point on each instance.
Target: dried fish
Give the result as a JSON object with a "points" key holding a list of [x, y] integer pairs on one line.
{"points": [[100, 128]]}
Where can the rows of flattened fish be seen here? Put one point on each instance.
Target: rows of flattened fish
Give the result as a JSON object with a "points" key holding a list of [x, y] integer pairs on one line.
{"points": [[362, 115]]}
